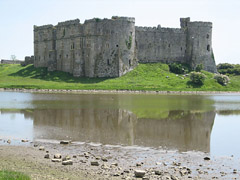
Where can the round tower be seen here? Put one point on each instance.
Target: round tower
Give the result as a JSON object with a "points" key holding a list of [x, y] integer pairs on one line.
{"points": [[199, 45]]}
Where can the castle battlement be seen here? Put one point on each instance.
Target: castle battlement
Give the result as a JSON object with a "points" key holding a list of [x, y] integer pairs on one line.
{"points": [[112, 47], [69, 22]]}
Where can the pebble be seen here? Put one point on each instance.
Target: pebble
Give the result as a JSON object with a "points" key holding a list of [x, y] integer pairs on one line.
{"points": [[41, 148], [94, 163], [56, 160], [139, 173], [206, 158], [24, 140], [157, 172], [104, 159], [9, 141], [46, 156], [66, 158], [57, 156], [67, 162], [65, 142]]}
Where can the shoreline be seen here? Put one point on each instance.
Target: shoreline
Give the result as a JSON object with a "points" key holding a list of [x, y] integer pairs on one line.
{"points": [[113, 162], [72, 91]]}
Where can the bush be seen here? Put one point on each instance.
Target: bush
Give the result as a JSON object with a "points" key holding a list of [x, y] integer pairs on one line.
{"points": [[197, 78], [225, 66], [222, 79], [176, 68], [199, 67]]}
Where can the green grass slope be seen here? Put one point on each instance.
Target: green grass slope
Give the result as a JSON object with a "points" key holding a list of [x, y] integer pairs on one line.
{"points": [[154, 77], [10, 175]]}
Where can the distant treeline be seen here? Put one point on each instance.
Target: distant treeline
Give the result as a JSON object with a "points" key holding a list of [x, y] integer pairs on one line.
{"points": [[226, 68]]}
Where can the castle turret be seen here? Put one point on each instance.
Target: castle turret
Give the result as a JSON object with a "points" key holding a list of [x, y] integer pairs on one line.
{"points": [[44, 46], [199, 44]]}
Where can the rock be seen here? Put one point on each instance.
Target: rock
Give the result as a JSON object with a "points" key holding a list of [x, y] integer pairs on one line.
{"points": [[67, 162], [47, 151], [74, 156], [65, 142], [47, 156], [104, 159], [139, 173], [57, 156], [94, 163], [56, 160], [114, 164], [166, 177], [126, 171], [35, 145], [97, 157], [138, 164], [174, 177], [66, 158], [82, 161], [145, 178], [24, 140], [206, 158], [116, 174], [157, 172], [9, 141], [41, 148], [104, 166]]}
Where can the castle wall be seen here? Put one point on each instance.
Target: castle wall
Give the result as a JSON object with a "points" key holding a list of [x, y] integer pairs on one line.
{"points": [[44, 48], [112, 47], [199, 45], [160, 44]]}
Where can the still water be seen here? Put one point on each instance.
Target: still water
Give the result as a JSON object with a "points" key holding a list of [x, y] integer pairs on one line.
{"points": [[207, 123]]}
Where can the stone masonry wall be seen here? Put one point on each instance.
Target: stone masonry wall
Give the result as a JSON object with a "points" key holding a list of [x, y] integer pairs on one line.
{"points": [[112, 47], [160, 44]]}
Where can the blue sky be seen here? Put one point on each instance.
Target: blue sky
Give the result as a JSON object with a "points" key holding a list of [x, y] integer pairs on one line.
{"points": [[17, 18]]}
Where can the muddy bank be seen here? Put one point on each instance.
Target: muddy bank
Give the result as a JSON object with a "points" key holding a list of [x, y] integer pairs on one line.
{"points": [[117, 91], [96, 161]]}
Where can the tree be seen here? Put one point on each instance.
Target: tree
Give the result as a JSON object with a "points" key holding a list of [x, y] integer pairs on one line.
{"points": [[13, 57]]}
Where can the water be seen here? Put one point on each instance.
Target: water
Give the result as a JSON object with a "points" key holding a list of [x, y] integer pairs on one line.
{"points": [[207, 123]]}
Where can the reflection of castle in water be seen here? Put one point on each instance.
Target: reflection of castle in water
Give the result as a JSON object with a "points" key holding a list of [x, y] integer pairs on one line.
{"points": [[183, 130]]}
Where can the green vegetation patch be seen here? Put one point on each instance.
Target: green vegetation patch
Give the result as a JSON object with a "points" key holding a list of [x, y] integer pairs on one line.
{"points": [[152, 76], [10, 175]]}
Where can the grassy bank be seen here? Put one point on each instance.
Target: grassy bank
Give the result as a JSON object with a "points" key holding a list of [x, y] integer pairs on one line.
{"points": [[10, 175], [155, 77]]}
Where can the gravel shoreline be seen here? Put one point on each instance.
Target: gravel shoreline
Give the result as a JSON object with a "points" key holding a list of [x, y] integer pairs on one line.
{"points": [[117, 91], [96, 161]]}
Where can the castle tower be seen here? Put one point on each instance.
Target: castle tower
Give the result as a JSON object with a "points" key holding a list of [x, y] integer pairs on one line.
{"points": [[44, 46], [199, 44]]}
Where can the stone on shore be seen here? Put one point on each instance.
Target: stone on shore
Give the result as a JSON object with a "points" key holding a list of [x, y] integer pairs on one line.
{"points": [[56, 160], [95, 163], [41, 148], [67, 162], [47, 156], [139, 173], [65, 142], [57, 156]]}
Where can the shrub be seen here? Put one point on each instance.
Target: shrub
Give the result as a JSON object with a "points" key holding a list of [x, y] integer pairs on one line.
{"points": [[176, 68], [222, 79], [199, 67], [197, 78], [225, 66]]}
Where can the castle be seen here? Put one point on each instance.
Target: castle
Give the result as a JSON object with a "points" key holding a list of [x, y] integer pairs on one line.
{"points": [[113, 47]]}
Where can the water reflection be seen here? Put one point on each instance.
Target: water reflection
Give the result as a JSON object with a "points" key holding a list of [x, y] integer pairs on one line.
{"points": [[175, 122]]}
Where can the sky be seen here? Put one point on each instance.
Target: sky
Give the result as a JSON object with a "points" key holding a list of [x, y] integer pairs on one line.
{"points": [[17, 18]]}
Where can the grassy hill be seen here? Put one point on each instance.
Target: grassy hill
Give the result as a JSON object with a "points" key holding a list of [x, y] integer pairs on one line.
{"points": [[154, 77]]}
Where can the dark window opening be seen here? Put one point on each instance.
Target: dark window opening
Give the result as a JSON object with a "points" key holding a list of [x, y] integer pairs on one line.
{"points": [[181, 48], [208, 47], [49, 55], [117, 45], [207, 36], [64, 32], [129, 62], [67, 55], [169, 45], [108, 62]]}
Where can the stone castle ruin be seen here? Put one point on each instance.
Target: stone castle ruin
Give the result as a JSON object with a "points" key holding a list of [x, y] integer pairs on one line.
{"points": [[113, 47]]}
